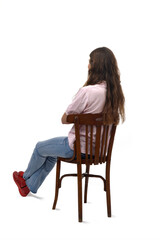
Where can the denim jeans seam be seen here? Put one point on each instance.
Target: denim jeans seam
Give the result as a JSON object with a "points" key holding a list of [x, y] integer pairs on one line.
{"points": [[33, 186]]}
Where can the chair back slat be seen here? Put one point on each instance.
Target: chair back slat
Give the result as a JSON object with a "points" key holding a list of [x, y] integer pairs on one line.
{"points": [[78, 146], [86, 144], [91, 144], [102, 143], [97, 144], [105, 143]]}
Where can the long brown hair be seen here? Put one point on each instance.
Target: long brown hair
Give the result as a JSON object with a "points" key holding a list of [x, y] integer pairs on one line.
{"points": [[103, 67]]}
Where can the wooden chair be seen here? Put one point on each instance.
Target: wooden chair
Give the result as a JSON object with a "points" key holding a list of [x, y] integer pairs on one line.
{"points": [[95, 126]]}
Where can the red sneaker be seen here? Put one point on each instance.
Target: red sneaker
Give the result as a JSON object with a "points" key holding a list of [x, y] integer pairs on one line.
{"points": [[21, 174], [21, 184]]}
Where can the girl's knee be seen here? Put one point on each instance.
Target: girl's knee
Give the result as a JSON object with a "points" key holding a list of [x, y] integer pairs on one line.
{"points": [[38, 148]]}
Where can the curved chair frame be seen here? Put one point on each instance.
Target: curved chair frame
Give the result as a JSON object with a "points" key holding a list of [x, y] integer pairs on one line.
{"points": [[99, 151]]}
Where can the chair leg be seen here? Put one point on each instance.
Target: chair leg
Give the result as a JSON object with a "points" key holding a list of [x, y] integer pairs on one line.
{"points": [[86, 184], [108, 195], [57, 184], [79, 178]]}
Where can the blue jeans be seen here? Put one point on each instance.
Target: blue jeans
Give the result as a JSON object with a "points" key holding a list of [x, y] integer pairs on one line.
{"points": [[43, 160]]}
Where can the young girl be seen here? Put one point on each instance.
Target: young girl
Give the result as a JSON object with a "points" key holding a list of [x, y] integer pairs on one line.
{"points": [[102, 92]]}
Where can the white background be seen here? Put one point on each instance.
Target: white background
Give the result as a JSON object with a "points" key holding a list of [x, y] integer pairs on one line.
{"points": [[44, 52]]}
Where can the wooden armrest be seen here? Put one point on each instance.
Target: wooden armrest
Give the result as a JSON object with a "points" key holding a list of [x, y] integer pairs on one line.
{"points": [[71, 118]]}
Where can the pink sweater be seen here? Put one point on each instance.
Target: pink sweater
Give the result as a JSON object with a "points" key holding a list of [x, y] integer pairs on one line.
{"points": [[89, 99]]}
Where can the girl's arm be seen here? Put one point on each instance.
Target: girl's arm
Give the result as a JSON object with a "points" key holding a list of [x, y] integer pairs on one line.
{"points": [[77, 106]]}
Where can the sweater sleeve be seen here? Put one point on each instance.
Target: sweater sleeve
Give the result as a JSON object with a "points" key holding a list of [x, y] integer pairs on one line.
{"points": [[79, 103]]}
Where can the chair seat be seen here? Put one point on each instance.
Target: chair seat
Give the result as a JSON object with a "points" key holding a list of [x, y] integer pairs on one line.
{"points": [[89, 161], [71, 160]]}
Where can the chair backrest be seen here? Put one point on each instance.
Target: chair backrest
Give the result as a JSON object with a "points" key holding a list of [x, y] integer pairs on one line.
{"points": [[97, 135]]}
